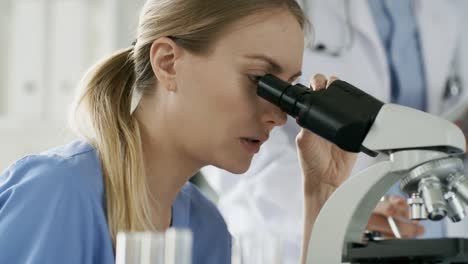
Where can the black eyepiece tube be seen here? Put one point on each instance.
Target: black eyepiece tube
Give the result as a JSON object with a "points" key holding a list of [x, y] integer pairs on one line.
{"points": [[342, 113]]}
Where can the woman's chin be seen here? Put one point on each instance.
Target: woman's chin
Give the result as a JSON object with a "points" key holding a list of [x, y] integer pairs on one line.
{"points": [[239, 171], [238, 168]]}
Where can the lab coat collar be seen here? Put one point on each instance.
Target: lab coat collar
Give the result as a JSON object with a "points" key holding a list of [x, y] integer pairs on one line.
{"points": [[438, 34]]}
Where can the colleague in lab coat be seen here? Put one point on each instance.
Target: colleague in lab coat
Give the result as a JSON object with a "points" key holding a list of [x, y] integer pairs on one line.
{"points": [[347, 42]]}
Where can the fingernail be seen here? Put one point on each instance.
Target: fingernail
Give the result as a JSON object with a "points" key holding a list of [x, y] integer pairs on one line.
{"points": [[397, 200]]}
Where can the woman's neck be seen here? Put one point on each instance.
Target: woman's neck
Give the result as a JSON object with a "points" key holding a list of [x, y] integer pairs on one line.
{"points": [[167, 170]]}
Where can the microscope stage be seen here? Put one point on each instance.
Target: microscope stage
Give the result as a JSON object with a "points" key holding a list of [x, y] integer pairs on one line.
{"points": [[406, 251]]}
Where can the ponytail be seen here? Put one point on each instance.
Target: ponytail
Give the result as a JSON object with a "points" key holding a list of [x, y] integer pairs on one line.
{"points": [[105, 106]]}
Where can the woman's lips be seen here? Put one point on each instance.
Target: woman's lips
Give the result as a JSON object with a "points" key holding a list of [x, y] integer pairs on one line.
{"points": [[252, 146]]}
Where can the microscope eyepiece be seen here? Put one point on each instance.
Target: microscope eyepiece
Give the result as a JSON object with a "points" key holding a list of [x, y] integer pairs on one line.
{"points": [[342, 113]]}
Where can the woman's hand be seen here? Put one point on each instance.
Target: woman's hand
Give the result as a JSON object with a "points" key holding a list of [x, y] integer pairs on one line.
{"points": [[325, 166], [397, 208]]}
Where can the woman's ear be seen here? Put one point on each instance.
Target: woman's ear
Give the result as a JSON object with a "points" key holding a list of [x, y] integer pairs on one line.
{"points": [[164, 53]]}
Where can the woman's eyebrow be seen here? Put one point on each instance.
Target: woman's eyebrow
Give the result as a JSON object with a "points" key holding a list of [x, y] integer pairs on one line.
{"points": [[273, 66]]}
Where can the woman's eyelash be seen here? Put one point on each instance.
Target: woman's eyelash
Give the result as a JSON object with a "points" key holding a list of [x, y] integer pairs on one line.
{"points": [[254, 78]]}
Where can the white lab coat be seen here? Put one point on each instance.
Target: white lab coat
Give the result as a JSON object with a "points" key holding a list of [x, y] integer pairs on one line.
{"points": [[269, 196]]}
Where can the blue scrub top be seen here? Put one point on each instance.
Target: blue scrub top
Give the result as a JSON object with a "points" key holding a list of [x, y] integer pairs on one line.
{"points": [[52, 210]]}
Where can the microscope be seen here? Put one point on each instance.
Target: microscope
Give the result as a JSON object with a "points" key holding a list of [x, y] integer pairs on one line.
{"points": [[422, 151]]}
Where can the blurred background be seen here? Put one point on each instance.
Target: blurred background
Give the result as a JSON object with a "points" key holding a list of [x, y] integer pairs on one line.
{"points": [[45, 48]]}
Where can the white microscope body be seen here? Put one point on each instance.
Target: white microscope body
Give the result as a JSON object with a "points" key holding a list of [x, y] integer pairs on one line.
{"points": [[421, 150]]}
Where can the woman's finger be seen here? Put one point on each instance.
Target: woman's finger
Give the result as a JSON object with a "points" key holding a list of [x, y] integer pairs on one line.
{"points": [[401, 206], [394, 206], [407, 229], [379, 223], [332, 79], [318, 82]]}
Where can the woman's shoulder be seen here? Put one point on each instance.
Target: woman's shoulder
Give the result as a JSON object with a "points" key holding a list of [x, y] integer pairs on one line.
{"points": [[192, 209], [49, 198], [208, 226], [200, 204], [72, 167]]}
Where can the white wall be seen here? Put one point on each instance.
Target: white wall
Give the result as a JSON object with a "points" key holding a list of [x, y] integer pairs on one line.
{"points": [[127, 21], [464, 11], [4, 27], [77, 33]]}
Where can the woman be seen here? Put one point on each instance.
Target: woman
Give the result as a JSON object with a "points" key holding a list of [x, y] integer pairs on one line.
{"points": [[191, 75]]}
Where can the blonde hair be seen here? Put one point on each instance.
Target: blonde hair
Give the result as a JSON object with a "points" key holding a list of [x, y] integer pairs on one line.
{"points": [[102, 113]]}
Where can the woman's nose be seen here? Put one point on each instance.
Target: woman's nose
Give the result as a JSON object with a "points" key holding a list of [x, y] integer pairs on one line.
{"points": [[272, 115]]}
